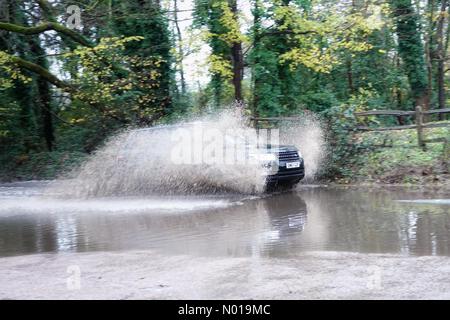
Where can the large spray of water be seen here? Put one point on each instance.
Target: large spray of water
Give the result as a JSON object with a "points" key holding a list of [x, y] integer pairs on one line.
{"points": [[140, 162], [307, 134]]}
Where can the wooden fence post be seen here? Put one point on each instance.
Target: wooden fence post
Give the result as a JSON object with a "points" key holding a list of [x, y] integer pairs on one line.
{"points": [[447, 153], [419, 123], [255, 123]]}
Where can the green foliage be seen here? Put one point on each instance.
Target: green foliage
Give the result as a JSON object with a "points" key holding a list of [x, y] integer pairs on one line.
{"points": [[145, 19], [318, 101], [294, 61], [9, 111], [410, 45], [10, 73], [221, 31], [43, 165], [401, 160], [114, 80], [317, 40], [341, 125], [124, 79]]}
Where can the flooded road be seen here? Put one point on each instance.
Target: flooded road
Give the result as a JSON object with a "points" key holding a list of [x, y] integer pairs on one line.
{"points": [[314, 243], [358, 220]]}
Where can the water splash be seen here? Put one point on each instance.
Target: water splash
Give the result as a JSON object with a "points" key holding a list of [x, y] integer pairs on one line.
{"points": [[138, 162], [308, 135]]}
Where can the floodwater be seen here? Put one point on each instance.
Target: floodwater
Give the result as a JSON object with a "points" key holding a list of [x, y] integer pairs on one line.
{"points": [[312, 218]]}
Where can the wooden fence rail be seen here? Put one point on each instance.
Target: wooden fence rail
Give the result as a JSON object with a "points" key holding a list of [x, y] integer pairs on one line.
{"points": [[419, 126], [400, 112], [412, 126]]}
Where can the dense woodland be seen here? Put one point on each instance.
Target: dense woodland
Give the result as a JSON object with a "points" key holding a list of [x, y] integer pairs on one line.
{"points": [[67, 81]]}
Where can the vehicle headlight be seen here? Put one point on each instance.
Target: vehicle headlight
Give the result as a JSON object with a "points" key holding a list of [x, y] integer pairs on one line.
{"points": [[271, 167]]}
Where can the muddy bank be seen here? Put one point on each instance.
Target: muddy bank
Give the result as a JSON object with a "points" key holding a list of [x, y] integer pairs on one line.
{"points": [[147, 275], [441, 188], [401, 177], [419, 177]]}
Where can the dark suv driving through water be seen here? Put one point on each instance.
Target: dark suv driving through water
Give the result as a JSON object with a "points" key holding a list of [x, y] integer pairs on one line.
{"points": [[284, 165], [287, 170]]}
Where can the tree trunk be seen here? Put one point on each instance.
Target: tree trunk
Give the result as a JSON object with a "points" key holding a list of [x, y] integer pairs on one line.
{"points": [[238, 71], [430, 47], [4, 17], [47, 118], [256, 62], [238, 59], [441, 58], [180, 47], [351, 87], [43, 93]]}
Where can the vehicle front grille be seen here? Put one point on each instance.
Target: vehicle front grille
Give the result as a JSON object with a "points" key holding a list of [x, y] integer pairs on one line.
{"points": [[288, 156], [284, 174]]}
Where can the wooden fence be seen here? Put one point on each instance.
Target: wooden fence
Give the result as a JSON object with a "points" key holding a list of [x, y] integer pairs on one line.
{"points": [[419, 125]]}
